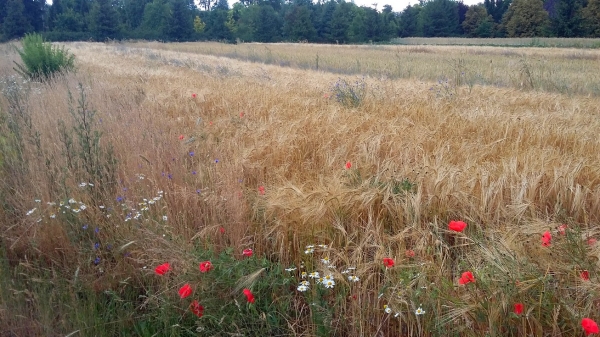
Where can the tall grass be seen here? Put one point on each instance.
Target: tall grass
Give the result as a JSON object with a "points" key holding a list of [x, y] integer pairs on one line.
{"points": [[263, 157]]}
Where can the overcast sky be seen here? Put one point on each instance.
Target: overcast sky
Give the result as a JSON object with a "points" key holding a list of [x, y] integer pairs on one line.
{"points": [[397, 5]]}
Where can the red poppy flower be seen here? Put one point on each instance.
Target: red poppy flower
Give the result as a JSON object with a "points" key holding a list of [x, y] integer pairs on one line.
{"points": [[241, 114], [409, 253], [180, 137], [185, 291], [348, 165], [261, 190], [196, 308], [249, 295], [162, 269], [591, 241], [222, 230], [388, 262], [585, 275], [193, 95], [546, 239], [589, 326], [466, 277], [247, 252], [205, 266], [457, 226], [518, 308], [562, 229]]}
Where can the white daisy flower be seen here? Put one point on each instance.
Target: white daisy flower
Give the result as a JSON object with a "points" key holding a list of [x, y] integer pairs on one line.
{"points": [[72, 201], [164, 218], [52, 216], [325, 260], [304, 274], [329, 284], [387, 309], [314, 274], [309, 251], [302, 288], [305, 283], [353, 278], [419, 311], [30, 212], [82, 184], [38, 200], [290, 269]]}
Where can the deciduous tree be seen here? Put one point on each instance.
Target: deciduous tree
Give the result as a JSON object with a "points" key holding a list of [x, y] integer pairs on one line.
{"points": [[526, 18]]}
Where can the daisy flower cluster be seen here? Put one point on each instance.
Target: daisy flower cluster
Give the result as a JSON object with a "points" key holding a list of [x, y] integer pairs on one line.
{"points": [[323, 270]]}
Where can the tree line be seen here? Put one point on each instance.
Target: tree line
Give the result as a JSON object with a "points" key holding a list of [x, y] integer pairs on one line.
{"points": [[332, 21]]}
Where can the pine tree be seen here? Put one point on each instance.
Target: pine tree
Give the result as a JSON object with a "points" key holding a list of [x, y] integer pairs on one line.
{"points": [[409, 21], [478, 23], [497, 8], [155, 22], [357, 31], [15, 23], [324, 27], [181, 24], [439, 18], [568, 18], [298, 25], [104, 20], [55, 10], [340, 22]]}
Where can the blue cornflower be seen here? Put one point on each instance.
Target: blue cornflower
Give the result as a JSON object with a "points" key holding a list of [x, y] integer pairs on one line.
{"points": [[97, 260], [85, 227], [191, 153], [170, 176], [216, 160], [119, 198], [193, 172], [97, 230], [96, 245]]}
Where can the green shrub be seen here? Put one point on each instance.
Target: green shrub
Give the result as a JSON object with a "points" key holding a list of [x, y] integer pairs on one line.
{"points": [[42, 60]]}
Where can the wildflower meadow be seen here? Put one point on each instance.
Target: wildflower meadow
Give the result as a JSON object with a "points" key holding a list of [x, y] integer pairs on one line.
{"points": [[170, 190]]}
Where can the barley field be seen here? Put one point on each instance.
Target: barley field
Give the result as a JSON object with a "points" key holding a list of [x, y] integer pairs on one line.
{"points": [[328, 187]]}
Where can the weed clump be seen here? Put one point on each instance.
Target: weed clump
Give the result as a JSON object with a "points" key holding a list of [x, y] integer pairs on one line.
{"points": [[350, 95]]}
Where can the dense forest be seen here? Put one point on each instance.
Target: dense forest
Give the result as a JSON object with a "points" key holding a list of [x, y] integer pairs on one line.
{"points": [[333, 21]]}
